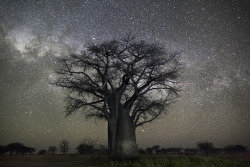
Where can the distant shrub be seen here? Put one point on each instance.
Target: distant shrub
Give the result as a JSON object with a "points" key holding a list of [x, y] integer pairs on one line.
{"points": [[205, 147], [85, 149], [235, 149], [41, 152]]}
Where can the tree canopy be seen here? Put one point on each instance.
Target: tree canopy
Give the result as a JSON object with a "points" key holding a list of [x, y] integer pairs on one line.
{"points": [[64, 146], [142, 75], [52, 149]]}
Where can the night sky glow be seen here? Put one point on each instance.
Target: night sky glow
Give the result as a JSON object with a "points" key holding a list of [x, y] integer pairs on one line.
{"points": [[213, 35]]}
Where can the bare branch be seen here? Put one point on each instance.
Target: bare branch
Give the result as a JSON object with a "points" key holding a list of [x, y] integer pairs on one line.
{"points": [[147, 121], [126, 74]]}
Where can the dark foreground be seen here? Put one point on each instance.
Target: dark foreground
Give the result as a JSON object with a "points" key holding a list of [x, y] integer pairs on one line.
{"points": [[240, 160]]}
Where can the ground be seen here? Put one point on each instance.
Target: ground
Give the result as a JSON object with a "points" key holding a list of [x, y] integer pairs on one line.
{"points": [[242, 160]]}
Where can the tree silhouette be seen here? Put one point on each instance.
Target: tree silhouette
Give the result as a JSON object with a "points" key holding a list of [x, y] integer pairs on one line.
{"points": [[19, 148], [25, 150], [127, 82], [52, 149], [205, 147], [12, 147], [85, 149], [42, 152], [3, 150], [64, 146], [15, 148], [87, 146]]}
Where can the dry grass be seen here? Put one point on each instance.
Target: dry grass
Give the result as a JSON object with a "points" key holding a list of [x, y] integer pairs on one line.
{"points": [[146, 160], [45, 160]]}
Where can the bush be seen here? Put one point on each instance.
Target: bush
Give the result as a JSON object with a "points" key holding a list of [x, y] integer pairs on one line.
{"points": [[42, 152], [85, 149]]}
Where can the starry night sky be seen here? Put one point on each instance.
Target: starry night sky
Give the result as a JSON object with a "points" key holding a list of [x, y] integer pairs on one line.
{"points": [[213, 35]]}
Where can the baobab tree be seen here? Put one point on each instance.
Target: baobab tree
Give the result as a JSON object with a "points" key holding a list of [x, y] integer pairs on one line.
{"points": [[126, 82]]}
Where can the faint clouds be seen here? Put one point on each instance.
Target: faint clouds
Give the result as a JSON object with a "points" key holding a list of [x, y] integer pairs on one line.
{"points": [[19, 38], [33, 46]]}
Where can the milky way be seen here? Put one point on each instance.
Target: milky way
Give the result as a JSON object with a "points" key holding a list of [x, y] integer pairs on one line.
{"points": [[213, 36]]}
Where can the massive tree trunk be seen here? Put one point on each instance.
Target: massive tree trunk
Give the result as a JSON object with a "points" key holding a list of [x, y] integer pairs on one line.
{"points": [[122, 140], [112, 131]]}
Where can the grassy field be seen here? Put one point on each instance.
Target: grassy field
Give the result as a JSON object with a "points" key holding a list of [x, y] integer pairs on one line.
{"points": [[144, 161]]}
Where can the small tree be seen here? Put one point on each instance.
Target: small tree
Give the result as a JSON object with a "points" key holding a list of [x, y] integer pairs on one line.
{"points": [[205, 147], [85, 149], [87, 146], [52, 149], [64, 146], [42, 152]]}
